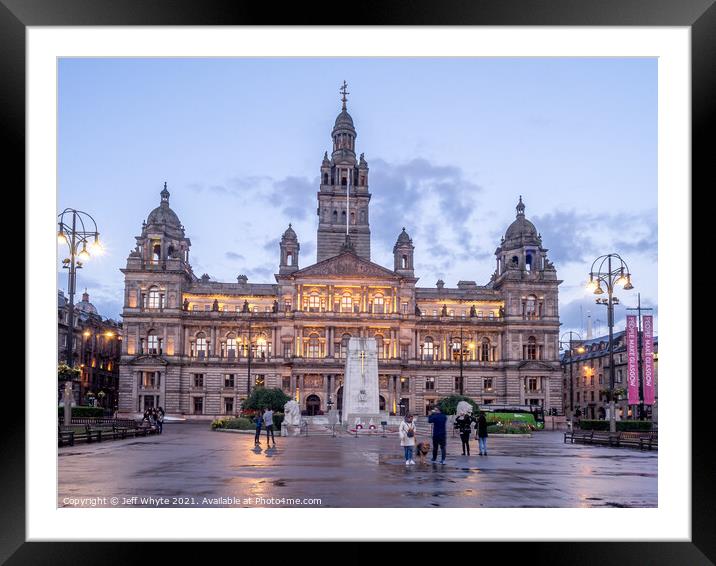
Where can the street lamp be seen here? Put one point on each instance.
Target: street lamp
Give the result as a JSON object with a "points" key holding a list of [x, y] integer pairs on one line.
{"points": [[609, 270], [76, 231], [570, 347], [459, 348]]}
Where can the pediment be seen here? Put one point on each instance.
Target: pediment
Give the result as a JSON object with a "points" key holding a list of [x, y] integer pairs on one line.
{"points": [[536, 365], [147, 360], [346, 264]]}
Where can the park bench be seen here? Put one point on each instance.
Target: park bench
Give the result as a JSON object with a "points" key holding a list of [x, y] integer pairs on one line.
{"points": [[601, 437], [628, 438], [578, 435], [65, 437], [120, 431], [649, 441]]}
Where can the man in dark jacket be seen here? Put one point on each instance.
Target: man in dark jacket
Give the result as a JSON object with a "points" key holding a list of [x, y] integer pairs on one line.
{"points": [[482, 434], [438, 421]]}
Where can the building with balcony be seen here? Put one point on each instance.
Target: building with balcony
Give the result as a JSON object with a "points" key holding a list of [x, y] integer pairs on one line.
{"points": [[189, 341], [96, 349]]}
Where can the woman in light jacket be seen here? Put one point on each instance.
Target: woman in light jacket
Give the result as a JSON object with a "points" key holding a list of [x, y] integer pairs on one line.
{"points": [[406, 432]]}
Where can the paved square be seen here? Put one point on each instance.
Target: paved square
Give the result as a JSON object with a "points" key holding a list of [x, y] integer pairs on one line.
{"points": [[190, 461]]}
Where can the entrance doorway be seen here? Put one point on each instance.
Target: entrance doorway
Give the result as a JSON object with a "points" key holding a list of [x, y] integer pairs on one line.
{"points": [[313, 405], [381, 403]]}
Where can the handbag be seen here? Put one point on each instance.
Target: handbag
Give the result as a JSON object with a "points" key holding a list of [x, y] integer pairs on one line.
{"points": [[411, 431]]}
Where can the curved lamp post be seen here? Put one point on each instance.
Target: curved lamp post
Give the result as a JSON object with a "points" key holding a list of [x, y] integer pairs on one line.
{"points": [[77, 230], [569, 346], [609, 270]]}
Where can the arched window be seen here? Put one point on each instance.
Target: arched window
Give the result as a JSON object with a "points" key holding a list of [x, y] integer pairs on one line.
{"points": [[335, 217], [314, 302], [531, 307], [154, 299], [201, 346], [325, 178], [404, 262], [353, 217], [261, 348], [362, 216], [528, 262], [531, 348], [156, 252], [153, 344], [343, 216], [378, 303], [231, 346], [346, 303], [289, 258], [380, 345], [485, 350], [428, 348], [314, 346]]}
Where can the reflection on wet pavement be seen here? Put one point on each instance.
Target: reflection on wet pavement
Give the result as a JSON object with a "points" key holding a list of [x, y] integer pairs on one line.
{"points": [[189, 460]]}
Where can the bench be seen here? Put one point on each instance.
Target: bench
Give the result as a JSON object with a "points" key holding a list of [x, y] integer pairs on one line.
{"points": [[577, 435], [649, 441], [65, 437]]}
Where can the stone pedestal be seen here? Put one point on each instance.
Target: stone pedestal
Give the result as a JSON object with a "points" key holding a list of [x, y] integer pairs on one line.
{"points": [[360, 387]]}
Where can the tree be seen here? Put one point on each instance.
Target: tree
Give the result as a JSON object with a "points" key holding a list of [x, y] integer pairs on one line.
{"points": [[261, 398], [448, 405], [66, 373]]}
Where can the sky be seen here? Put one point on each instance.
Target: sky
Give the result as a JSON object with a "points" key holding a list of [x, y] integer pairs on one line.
{"points": [[451, 144]]}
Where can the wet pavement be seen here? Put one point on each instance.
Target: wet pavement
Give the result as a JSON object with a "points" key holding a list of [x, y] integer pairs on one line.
{"points": [[192, 466]]}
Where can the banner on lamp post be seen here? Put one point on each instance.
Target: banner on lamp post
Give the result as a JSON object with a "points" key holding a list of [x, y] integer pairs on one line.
{"points": [[648, 340], [632, 345]]}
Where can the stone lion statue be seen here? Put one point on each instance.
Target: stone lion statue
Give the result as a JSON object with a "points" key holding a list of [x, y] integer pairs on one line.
{"points": [[463, 408], [292, 413]]}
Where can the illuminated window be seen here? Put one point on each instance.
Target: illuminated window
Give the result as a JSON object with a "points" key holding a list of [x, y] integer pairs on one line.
{"points": [[201, 346], [378, 304], [485, 350], [314, 346], [346, 303], [314, 302], [429, 383], [428, 348], [153, 344], [259, 381], [261, 348], [154, 299], [231, 347]]}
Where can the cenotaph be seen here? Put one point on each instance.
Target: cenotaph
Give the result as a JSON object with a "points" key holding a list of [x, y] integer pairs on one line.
{"points": [[360, 386]]}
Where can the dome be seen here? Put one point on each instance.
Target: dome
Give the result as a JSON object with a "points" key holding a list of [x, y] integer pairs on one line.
{"points": [[289, 234], [163, 214], [344, 121], [403, 238], [85, 306], [521, 229]]}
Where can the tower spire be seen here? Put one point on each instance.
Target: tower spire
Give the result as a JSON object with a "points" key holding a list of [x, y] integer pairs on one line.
{"points": [[344, 91]]}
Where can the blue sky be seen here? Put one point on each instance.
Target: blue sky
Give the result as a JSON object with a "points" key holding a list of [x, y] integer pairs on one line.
{"points": [[451, 144]]}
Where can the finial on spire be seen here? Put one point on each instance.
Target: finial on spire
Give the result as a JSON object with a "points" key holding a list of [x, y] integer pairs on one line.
{"points": [[520, 207], [344, 91], [165, 193]]}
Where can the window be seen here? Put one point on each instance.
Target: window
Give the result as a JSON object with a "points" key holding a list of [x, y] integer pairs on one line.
{"points": [[150, 379], [346, 303], [198, 380], [201, 346], [231, 346], [344, 345], [259, 380], [314, 302], [487, 384], [154, 300], [405, 308], [485, 350], [404, 384], [480, 314], [435, 312], [532, 384], [287, 306], [378, 304], [592, 395], [380, 345], [207, 307], [229, 380], [198, 405], [619, 376], [531, 348], [154, 344], [491, 315], [228, 405], [286, 349], [601, 379], [286, 383], [429, 383], [457, 383], [404, 352], [428, 348], [262, 348], [530, 307], [314, 346]]}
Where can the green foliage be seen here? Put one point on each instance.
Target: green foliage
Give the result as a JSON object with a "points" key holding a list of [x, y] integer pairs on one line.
{"points": [[277, 420], [621, 425], [238, 423], [82, 412], [448, 405], [66, 373], [510, 428], [261, 398]]}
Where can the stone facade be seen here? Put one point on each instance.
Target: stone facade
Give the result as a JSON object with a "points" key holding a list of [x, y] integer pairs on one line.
{"points": [[96, 351], [187, 339], [588, 369]]}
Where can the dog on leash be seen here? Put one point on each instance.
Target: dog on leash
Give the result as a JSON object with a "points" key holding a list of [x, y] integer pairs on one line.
{"points": [[422, 450]]}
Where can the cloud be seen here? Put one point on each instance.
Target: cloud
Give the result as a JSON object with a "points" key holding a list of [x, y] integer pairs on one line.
{"points": [[233, 256], [579, 237]]}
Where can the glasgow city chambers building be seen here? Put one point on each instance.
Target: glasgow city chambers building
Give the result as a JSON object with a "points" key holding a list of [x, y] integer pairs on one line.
{"points": [[197, 347]]}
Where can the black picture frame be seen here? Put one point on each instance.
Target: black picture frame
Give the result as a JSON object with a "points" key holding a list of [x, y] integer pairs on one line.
{"points": [[698, 15]]}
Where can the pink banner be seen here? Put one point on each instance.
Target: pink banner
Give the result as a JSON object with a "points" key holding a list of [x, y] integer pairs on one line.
{"points": [[632, 360], [648, 340]]}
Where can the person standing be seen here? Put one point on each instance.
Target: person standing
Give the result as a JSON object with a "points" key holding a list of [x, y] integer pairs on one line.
{"points": [[463, 423], [406, 432], [438, 420], [268, 425], [160, 419], [482, 434], [259, 422]]}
